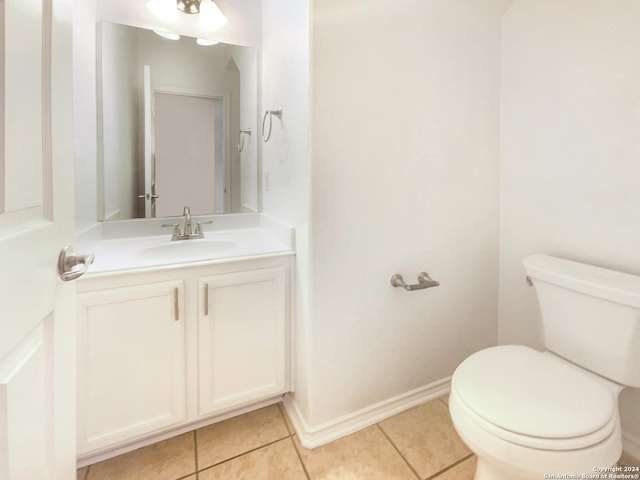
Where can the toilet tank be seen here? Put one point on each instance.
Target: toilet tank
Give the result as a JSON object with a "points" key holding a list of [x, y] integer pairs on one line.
{"points": [[590, 315]]}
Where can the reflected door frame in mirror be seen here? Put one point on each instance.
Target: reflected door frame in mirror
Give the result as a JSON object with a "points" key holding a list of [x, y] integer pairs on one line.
{"points": [[189, 181]]}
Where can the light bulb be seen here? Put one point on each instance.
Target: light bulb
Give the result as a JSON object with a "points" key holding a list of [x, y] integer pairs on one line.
{"points": [[206, 43]]}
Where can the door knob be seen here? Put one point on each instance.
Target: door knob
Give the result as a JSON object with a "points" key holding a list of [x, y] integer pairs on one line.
{"points": [[72, 266]]}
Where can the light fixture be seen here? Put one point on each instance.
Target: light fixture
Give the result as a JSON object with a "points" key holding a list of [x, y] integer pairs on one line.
{"points": [[189, 6], [164, 9], [167, 35], [210, 16], [206, 43]]}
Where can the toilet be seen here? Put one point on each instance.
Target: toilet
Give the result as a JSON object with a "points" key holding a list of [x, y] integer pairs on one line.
{"points": [[527, 414]]}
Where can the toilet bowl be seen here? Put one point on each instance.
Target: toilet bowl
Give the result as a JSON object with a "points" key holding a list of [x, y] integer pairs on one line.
{"points": [[526, 414], [533, 415]]}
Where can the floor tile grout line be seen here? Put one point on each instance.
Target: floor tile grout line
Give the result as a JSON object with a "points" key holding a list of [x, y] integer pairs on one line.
{"points": [[284, 419], [446, 469], [195, 447], [304, 466], [395, 447], [244, 453], [288, 435], [184, 477]]}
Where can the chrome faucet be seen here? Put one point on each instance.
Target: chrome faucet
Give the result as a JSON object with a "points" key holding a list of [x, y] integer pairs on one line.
{"points": [[187, 232]]}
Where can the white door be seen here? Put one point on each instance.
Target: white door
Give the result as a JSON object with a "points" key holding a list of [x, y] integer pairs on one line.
{"points": [[37, 334]]}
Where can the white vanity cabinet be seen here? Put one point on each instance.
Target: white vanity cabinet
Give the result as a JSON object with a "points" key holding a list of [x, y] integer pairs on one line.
{"points": [[171, 349], [240, 338], [130, 362]]}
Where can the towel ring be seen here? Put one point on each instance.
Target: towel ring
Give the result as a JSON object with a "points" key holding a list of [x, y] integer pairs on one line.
{"points": [[246, 131], [270, 114]]}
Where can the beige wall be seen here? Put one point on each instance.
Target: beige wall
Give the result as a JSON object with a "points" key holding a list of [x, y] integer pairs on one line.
{"points": [[245, 163], [118, 120], [286, 157], [570, 164], [405, 100], [85, 114]]}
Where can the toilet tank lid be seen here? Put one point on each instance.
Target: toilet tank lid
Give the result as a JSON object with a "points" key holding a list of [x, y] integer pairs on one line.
{"points": [[599, 282], [531, 393]]}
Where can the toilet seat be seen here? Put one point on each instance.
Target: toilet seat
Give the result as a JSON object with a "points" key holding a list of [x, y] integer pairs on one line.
{"points": [[535, 399]]}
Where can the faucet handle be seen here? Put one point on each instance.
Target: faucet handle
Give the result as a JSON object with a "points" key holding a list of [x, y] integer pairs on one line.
{"points": [[176, 229], [199, 227]]}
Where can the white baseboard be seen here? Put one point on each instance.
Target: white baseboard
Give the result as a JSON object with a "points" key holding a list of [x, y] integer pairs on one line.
{"points": [[631, 450], [312, 437]]}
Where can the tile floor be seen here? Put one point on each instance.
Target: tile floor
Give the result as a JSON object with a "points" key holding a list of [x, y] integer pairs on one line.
{"points": [[419, 443]]}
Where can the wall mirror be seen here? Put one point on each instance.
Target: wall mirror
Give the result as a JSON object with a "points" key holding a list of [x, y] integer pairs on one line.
{"points": [[176, 125]]}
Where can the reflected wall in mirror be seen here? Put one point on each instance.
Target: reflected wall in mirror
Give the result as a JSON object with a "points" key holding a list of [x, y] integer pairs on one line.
{"points": [[170, 113]]}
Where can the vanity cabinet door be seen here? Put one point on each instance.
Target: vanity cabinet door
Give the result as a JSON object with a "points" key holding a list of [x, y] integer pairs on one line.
{"points": [[242, 338], [131, 362]]}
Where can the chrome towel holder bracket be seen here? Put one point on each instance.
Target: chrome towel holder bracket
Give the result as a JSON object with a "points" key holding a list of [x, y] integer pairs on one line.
{"points": [[270, 114], [246, 131], [424, 281]]}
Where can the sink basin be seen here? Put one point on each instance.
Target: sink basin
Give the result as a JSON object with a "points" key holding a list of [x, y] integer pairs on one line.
{"points": [[186, 249]]}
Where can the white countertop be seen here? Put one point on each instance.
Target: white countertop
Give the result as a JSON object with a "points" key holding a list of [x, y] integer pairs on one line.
{"points": [[119, 247]]}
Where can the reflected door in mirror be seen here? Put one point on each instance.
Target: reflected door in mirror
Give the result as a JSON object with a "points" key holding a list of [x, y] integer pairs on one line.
{"points": [[189, 160]]}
